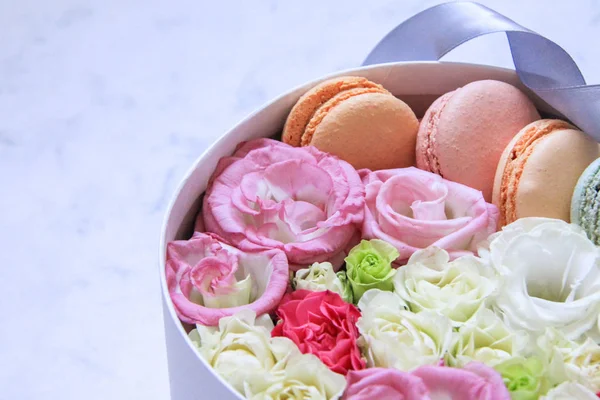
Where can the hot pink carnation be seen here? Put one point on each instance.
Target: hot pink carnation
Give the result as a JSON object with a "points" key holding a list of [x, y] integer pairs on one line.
{"points": [[269, 195], [413, 209], [323, 324], [202, 272], [475, 382]]}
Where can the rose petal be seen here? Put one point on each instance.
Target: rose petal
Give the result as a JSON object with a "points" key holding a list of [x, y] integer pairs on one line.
{"points": [[412, 209], [302, 201], [475, 382], [550, 276], [384, 384], [269, 272], [321, 323]]}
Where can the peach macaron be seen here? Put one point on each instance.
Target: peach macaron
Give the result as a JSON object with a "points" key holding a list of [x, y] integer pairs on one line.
{"points": [[464, 132], [539, 169], [357, 120]]}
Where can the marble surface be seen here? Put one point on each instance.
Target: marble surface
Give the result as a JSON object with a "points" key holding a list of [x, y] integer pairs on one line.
{"points": [[103, 107]]}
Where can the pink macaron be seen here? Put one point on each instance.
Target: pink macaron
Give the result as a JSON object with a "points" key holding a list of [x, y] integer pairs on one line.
{"points": [[464, 132]]}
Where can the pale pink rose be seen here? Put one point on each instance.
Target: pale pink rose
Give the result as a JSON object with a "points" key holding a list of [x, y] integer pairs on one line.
{"points": [[413, 209], [208, 279], [384, 384], [269, 195], [474, 382]]}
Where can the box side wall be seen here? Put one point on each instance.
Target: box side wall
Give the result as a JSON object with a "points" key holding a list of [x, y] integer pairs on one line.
{"points": [[189, 378]]}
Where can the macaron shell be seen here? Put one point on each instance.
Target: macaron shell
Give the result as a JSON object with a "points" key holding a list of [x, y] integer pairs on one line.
{"points": [[551, 172], [513, 160], [322, 111], [583, 185], [309, 102], [473, 129], [585, 204], [371, 130], [590, 221], [500, 172], [426, 159]]}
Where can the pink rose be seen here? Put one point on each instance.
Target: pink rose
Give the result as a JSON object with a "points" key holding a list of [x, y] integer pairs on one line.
{"points": [[208, 279], [384, 384], [323, 324], [269, 195], [475, 382], [413, 209]]}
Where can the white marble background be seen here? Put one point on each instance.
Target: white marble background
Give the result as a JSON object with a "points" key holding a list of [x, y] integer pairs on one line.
{"points": [[104, 105]]}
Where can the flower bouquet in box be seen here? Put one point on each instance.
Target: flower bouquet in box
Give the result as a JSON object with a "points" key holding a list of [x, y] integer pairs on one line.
{"points": [[375, 251]]}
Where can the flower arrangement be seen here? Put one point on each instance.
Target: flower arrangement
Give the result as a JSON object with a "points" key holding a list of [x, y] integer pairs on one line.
{"points": [[312, 280]]}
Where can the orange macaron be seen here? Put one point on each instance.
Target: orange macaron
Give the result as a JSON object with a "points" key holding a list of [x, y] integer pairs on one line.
{"points": [[538, 170], [356, 120]]}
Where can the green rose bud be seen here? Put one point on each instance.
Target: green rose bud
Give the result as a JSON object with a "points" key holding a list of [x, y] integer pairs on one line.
{"points": [[524, 378], [369, 266]]}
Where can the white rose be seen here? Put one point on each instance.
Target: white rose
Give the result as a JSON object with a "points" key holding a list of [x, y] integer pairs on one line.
{"points": [[320, 277], [298, 376], [550, 276], [242, 351], [569, 360], [485, 338], [456, 289], [239, 348], [394, 337], [570, 391]]}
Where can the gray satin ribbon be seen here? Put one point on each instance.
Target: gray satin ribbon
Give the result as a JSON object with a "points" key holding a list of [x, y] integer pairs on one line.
{"points": [[542, 65]]}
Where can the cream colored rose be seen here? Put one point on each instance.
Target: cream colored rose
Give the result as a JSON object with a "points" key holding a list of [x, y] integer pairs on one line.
{"points": [[320, 277], [393, 337], [242, 351], [550, 274], [298, 376], [570, 391], [456, 289], [485, 338], [239, 348], [568, 360]]}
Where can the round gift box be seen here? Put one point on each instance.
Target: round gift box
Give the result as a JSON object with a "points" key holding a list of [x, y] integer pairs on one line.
{"points": [[416, 83]]}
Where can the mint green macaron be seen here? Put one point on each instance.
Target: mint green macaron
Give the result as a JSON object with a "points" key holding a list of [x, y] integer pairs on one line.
{"points": [[585, 204]]}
